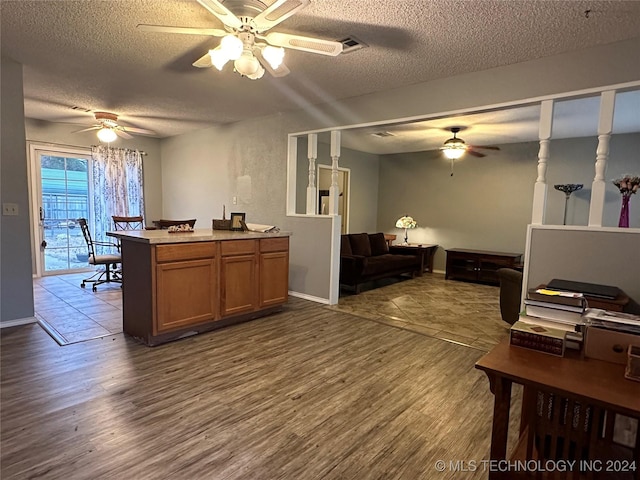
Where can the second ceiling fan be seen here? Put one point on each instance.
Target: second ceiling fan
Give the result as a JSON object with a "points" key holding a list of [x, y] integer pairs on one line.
{"points": [[244, 40], [455, 147]]}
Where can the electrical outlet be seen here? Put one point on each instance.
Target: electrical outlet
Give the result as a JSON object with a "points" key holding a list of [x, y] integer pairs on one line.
{"points": [[9, 209], [235, 200]]}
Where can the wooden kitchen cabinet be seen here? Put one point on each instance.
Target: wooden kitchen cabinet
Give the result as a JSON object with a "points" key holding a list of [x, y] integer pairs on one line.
{"points": [[174, 287], [274, 271]]}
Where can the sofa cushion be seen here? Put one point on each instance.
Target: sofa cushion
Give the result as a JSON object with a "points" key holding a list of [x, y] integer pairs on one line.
{"points": [[360, 244], [389, 263], [378, 244], [345, 245]]}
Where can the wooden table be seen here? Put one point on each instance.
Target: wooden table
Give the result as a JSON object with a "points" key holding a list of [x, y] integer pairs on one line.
{"points": [[567, 391], [426, 253]]}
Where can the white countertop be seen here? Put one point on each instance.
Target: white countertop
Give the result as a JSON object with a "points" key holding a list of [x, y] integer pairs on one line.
{"points": [[198, 235]]}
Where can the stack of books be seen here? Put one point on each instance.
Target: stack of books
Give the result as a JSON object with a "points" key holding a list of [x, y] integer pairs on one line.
{"points": [[551, 317]]}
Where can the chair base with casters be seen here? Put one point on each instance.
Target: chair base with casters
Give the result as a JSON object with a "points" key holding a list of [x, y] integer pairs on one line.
{"points": [[110, 274], [108, 260]]}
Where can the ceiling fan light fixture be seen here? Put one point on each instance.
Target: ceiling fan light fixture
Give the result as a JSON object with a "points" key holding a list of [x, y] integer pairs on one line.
{"points": [[247, 64], [273, 55], [258, 75], [454, 152], [218, 58], [106, 135], [231, 46]]}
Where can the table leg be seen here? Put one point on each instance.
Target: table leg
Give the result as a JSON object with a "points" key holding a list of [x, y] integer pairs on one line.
{"points": [[501, 388]]}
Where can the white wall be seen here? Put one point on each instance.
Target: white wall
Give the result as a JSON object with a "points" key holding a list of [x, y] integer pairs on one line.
{"points": [[16, 284]]}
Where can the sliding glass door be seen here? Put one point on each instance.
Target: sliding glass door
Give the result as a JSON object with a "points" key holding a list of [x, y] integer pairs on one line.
{"points": [[61, 180]]}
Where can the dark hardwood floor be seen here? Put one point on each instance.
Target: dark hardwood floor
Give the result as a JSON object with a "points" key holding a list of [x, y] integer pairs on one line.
{"points": [[308, 393]]}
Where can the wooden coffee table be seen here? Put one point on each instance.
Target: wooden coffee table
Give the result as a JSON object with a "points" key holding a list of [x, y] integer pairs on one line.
{"points": [[426, 253]]}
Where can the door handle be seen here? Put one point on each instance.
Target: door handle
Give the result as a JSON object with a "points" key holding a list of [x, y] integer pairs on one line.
{"points": [[42, 214]]}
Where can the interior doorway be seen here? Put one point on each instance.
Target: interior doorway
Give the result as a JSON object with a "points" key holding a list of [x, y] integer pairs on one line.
{"points": [[344, 187]]}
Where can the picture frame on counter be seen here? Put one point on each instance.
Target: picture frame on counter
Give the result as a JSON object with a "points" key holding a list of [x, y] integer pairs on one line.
{"points": [[237, 219]]}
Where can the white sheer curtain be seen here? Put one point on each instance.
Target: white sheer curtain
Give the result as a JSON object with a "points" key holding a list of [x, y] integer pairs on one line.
{"points": [[117, 187]]}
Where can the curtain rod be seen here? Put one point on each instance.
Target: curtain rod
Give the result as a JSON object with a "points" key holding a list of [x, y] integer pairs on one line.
{"points": [[142, 152]]}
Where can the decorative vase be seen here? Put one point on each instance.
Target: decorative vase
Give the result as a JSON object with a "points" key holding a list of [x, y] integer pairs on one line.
{"points": [[624, 212]]}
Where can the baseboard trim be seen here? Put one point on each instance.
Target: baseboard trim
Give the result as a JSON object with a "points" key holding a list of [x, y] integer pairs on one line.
{"points": [[312, 298], [18, 321]]}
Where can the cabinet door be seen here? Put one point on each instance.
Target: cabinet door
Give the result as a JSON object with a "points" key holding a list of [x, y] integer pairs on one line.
{"points": [[274, 278], [186, 293], [462, 266], [238, 284]]}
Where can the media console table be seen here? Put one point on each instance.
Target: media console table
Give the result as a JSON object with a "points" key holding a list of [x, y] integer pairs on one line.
{"points": [[179, 284], [479, 265], [569, 410]]}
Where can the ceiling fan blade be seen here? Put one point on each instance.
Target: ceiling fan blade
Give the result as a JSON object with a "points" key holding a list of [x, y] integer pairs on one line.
{"points": [[281, 71], [475, 154], [138, 130], [486, 147], [278, 11], [121, 133], [214, 32], [203, 62], [306, 44], [95, 127], [223, 13]]}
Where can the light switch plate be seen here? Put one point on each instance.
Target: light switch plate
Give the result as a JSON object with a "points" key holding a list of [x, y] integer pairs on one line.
{"points": [[9, 209]]}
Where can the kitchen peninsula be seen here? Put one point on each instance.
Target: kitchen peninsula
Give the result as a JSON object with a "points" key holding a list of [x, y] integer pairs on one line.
{"points": [[179, 284]]}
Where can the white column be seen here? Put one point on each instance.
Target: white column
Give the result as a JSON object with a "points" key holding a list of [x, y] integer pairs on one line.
{"points": [[605, 126], [334, 189], [312, 189], [540, 187]]}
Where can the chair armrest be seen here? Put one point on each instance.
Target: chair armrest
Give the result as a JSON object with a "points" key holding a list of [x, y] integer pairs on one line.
{"points": [[107, 244]]}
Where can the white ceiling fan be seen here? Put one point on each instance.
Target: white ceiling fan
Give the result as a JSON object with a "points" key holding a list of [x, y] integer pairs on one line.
{"points": [[109, 129], [244, 39]]}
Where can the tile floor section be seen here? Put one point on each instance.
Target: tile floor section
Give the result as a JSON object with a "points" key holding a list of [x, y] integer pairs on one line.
{"points": [[459, 312], [72, 314]]}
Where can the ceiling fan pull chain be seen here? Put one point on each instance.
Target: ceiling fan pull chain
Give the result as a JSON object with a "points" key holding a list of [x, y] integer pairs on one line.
{"points": [[452, 160]]}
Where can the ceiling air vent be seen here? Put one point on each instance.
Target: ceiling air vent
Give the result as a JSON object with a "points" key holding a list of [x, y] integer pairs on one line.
{"points": [[382, 134], [351, 44], [80, 109]]}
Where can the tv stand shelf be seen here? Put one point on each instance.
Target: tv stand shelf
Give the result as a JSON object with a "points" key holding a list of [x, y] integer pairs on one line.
{"points": [[479, 265]]}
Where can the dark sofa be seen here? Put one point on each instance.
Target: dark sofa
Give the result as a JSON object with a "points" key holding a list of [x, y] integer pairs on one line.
{"points": [[367, 256]]}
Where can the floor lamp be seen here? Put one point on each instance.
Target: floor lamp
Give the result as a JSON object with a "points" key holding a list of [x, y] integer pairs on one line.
{"points": [[568, 189]]}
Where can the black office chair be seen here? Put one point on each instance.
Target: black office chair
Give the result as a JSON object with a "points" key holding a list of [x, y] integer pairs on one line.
{"points": [[109, 261], [510, 294]]}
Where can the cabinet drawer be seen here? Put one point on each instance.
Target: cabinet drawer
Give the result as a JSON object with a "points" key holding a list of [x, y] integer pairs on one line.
{"points": [[237, 247], [185, 251], [280, 244]]}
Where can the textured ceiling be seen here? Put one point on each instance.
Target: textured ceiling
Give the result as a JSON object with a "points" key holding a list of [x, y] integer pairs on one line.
{"points": [[89, 54]]}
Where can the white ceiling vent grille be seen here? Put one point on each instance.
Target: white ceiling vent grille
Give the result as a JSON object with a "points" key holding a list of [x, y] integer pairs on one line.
{"points": [[351, 44], [383, 134]]}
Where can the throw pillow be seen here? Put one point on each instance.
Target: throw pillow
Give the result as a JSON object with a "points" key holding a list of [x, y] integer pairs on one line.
{"points": [[379, 245], [360, 244]]}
